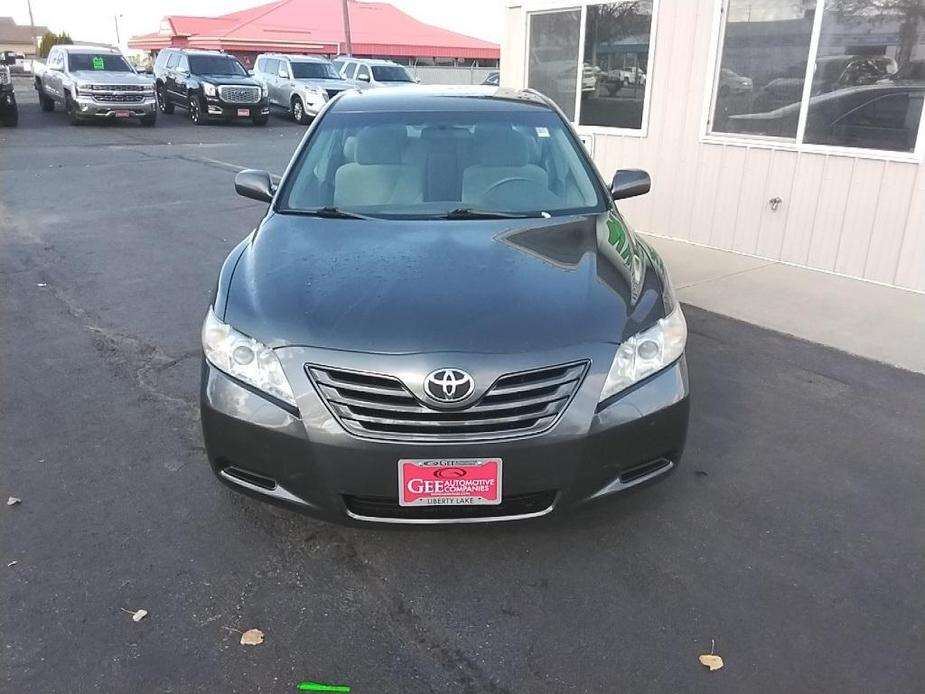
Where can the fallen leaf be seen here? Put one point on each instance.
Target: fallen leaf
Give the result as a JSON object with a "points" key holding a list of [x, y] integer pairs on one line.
{"points": [[12, 501], [12, 563], [252, 637], [139, 615], [714, 662]]}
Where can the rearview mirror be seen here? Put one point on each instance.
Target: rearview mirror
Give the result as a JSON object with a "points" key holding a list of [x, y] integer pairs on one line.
{"points": [[628, 183], [254, 184]]}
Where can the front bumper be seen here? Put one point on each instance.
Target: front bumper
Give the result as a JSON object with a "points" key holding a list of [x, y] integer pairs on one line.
{"points": [[88, 107], [217, 109], [311, 463]]}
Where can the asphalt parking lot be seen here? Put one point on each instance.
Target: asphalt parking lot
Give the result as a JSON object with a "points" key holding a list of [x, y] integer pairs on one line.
{"points": [[791, 539]]}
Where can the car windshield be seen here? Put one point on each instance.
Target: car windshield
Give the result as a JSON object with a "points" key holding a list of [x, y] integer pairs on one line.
{"points": [[109, 62], [215, 65], [431, 164], [391, 73], [313, 71]]}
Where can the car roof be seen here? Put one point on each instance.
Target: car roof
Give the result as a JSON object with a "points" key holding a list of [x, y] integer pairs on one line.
{"points": [[198, 51], [298, 58], [440, 98], [367, 61], [76, 48]]}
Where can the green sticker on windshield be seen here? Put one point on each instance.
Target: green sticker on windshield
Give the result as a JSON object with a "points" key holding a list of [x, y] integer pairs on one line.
{"points": [[98, 63]]}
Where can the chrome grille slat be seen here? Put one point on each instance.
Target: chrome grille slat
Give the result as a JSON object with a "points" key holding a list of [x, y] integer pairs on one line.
{"points": [[239, 94], [118, 98], [377, 406]]}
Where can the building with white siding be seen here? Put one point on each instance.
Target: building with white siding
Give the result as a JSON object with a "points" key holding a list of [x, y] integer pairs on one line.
{"points": [[786, 129]]}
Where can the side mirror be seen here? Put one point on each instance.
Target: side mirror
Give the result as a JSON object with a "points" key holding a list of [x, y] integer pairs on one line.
{"points": [[363, 78], [184, 73], [628, 183], [254, 184]]}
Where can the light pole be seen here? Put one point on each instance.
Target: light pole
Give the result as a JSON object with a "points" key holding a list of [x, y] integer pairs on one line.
{"points": [[349, 43], [32, 27], [115, 19]]}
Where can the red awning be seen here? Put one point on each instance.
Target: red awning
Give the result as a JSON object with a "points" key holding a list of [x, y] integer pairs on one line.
{"points": [[316, 26]]}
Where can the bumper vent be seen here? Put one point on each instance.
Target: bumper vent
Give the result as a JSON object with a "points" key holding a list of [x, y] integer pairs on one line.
{"points": [[239, 95], [519, 404], [521, 505]]}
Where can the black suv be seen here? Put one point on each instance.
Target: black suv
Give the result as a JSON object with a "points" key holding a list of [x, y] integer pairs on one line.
{"points": [[209, 85]]}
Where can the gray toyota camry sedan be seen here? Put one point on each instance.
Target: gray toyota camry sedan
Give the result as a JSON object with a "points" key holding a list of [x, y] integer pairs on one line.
{"points": [[443, 317]]}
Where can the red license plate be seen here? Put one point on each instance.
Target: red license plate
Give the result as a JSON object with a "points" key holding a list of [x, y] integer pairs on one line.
{"points": [[123, 114], [244, 112], [464, 482]]}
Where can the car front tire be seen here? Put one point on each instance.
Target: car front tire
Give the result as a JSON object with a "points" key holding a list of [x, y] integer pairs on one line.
{"points": [[70, 107], [195, 111], [162, 102], [48, 104], [298, 111]]}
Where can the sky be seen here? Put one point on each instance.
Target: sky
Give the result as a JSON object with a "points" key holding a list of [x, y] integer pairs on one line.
{"points": [[94, 21]]}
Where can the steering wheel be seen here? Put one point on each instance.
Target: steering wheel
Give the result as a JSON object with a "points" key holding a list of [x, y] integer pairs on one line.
{"points": [[505, 181]]}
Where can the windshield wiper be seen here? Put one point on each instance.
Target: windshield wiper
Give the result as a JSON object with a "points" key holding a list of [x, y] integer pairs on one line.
{"points": [[329, 213], [472, 213]]}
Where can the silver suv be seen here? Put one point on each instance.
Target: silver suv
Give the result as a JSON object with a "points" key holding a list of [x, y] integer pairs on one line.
{"points": [[370, 72], [301, 84]]}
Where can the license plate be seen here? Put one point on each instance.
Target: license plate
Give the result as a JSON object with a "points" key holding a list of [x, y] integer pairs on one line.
{"points": [[123, 114], [462, 482], [244, 112]]}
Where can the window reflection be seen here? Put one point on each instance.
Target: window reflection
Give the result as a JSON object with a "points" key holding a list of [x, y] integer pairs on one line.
{"points": [[553, 57], [869, 84], [616, 63], [763, 65]]}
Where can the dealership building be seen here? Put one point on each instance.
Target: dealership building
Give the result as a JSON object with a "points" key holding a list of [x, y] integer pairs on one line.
{"points": [[785, 129], [378, 30]]}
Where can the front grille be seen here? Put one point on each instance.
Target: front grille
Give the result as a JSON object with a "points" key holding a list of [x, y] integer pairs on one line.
{"points": [[239, 95], [519, 505], [519, 404], [118, 87], [118, 98], [4, 74]]}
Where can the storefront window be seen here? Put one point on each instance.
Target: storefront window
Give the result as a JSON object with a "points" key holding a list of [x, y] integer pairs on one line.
{"points": [[616, 64], [553, 56], [867, 72]]}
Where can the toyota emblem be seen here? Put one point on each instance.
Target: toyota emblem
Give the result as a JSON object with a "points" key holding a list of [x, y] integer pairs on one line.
{"points": [[448, 385]]}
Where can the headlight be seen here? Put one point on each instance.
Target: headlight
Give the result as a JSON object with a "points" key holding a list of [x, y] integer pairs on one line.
{"points": [[208, 89], [244, 358], [82, 87], [647, 352], [263, 89]]}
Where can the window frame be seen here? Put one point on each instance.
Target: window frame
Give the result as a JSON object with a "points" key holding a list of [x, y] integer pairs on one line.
{"points": [[714, 62], [547, 6]]}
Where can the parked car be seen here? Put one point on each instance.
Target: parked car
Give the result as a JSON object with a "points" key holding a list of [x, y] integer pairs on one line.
{"points": [[366, 72], [94, 83], [733, 83], [442, 317], [301, 84], [832, 72], [9, 112], [211, 86], [880, 116], [493, 79], [630, 76]]}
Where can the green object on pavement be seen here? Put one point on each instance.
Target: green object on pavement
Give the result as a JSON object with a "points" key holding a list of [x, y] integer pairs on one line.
{"points": [[317, 687]]}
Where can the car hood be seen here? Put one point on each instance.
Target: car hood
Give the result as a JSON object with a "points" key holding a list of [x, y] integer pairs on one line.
{"points": [[104, 77], [441, 286], [326, 83], [230, 79]]}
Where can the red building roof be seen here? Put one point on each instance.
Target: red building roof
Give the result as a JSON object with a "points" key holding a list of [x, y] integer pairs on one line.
{"points": [[316, 26]]}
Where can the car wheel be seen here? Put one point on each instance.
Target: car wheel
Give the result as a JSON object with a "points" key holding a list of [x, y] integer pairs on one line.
{"points": [[70, 107], [195, 111], [47, 104], [626, 81], [298, 111], [162, 100]]}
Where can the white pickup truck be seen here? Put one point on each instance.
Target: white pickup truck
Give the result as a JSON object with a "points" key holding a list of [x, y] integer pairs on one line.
{"points": [[94, 83]]}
